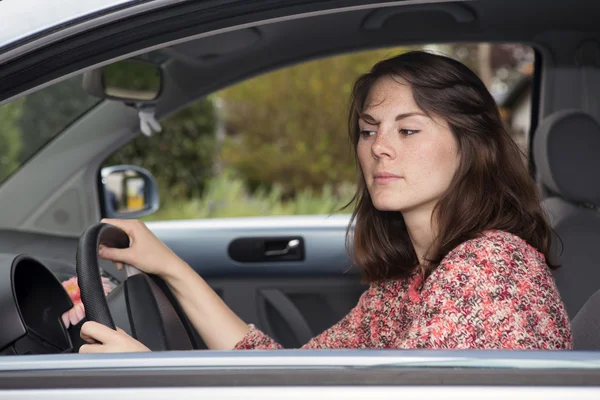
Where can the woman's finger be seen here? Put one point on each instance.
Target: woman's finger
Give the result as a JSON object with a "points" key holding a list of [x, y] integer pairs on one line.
{"points": [[91, 349], [79, 312], [76, 314], [88, 339], [115, 255], [129, 226], [97, 332], [66, 319], [102, 250], [84, 336]]}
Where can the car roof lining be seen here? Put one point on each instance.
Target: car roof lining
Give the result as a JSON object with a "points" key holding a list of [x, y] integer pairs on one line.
{"points": [[202, 66], [285, 39]]}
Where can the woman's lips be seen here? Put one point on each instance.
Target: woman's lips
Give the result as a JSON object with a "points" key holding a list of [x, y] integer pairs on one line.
{"points": [[384, 178]]}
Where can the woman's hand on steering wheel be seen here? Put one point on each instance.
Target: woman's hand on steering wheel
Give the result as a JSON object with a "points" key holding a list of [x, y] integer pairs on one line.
{"points": [[102, 339], [146, 252]]}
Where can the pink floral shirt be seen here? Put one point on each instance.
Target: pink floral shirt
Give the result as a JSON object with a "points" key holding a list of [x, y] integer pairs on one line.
{"points": [[492, 292]]}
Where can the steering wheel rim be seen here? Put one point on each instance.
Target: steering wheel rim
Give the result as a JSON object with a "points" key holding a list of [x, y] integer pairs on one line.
{"points": [[88, 271], [145, 307]]}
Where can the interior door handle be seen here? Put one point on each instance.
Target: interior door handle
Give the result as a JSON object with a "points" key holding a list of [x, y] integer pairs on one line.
{"points": [[267, 249], [292, 244]]}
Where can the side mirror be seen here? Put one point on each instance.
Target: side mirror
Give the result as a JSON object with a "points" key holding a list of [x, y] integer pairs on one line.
{"points": [[130, 81], [128, 192]]}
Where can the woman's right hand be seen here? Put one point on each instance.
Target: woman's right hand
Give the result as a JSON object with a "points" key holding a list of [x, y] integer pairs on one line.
{"points": [[146, 252], [219, 327]]}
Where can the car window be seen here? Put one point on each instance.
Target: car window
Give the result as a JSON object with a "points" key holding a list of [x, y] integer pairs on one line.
{"points": [[277, 144], [32, 121]]}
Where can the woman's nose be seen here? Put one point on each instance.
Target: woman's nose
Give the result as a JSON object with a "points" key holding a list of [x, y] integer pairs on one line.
{"points": [[382, 146]]}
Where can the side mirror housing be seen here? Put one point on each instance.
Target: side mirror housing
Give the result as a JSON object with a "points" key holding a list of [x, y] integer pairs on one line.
{"points": [[128, 192]]}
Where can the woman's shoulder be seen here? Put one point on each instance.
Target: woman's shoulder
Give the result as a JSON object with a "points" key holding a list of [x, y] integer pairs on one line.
{"points": [[495, 245], [498, 263], [496, 255], [501, 288]]}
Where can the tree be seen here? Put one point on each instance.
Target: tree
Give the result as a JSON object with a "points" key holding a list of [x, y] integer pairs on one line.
{"points": [[10, 138], [49, 111], [181, 157], [289, 127], [31, 121]]}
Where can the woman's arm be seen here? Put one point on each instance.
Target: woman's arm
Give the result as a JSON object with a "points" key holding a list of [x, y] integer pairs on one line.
{"points": [[220, 328], [217, 324], [352, 332]]}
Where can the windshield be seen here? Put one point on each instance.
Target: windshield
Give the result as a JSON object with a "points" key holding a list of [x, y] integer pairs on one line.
{"points": [[30, 122]]}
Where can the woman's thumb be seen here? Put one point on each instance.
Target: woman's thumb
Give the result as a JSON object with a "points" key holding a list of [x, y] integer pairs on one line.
{"points": [[114, 254]]}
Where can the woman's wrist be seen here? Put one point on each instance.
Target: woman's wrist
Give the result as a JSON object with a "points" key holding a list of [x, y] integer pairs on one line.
{"points": [[176, 271]]}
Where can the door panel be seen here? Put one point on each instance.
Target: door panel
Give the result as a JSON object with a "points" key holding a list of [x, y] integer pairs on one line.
{"points": [[292, 294], [291, 311]]}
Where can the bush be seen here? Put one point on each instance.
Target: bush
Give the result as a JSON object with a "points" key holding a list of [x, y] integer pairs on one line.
{"points": [[10, 138], [227, 196]]}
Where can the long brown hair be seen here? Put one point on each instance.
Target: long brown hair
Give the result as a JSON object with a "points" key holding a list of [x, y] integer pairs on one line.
{"points": [[491, 189]]}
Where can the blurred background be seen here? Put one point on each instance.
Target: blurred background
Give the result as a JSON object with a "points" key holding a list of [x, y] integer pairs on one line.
{"points": [[276, 144]]}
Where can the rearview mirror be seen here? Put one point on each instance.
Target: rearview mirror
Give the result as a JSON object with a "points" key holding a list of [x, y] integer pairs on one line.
{"points": [[130, 81], [129, 192]]}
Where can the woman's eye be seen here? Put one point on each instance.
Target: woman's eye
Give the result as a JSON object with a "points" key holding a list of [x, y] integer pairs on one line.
{"points": [[366, 133], [409, 132]]}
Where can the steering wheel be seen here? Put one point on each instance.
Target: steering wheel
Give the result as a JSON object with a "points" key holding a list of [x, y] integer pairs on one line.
{"points": [[143, 305]]}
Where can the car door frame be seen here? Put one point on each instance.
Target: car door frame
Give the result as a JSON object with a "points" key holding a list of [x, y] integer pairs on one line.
{"points": [[103, 37]]}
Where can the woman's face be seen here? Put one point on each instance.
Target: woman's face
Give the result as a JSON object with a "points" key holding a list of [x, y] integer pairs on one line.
{"points": [[407, 158]]}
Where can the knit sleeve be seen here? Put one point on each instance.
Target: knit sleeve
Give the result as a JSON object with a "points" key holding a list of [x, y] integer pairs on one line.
{"points": [[352, 332], [490, 294]]}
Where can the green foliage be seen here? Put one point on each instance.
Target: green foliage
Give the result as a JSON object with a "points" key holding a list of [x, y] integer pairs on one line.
{"points": [[181, 157], [30, 122], [227, 196], [289, 127], [49, 111], [10, 138], [128, 75], [286, 143]]}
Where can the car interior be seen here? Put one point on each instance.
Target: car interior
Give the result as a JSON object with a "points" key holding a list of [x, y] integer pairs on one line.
{"points": [[291, 276]]}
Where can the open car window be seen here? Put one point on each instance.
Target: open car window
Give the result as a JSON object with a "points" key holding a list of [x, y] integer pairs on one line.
{"points": [[277, 144]]}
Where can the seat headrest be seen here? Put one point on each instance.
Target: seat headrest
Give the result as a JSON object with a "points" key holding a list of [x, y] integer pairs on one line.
{"points": [[566, 151]]}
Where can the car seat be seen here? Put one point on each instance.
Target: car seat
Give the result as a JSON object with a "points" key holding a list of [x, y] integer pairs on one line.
{"points": [[567, 155]]}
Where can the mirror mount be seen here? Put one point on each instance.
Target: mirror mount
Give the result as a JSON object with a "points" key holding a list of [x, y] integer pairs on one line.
{"points": [[148, 122], [135, 83]]}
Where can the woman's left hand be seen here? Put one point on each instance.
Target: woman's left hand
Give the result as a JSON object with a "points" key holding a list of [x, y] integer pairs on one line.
{"points": [[102, 339]]}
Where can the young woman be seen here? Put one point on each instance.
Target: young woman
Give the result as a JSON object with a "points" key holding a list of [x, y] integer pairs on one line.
{"points": [[449, 230]]}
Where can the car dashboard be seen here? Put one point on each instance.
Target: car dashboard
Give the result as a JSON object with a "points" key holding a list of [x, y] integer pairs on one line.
{"points": [[32, 301]]}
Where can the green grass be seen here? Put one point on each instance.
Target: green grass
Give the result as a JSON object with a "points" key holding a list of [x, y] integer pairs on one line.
{"points": [[228, 197]]}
